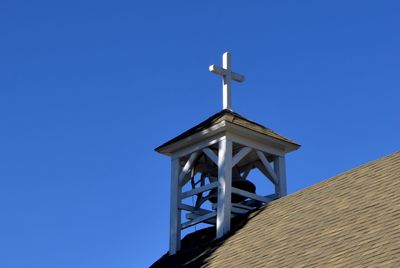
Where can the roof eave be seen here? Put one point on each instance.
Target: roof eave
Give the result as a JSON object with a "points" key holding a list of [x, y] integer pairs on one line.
{"points": [[228, 127], [283, 145], [170, 148]]}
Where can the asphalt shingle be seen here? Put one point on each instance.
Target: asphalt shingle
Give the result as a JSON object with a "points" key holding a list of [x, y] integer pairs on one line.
{"points": [[350, 220]]}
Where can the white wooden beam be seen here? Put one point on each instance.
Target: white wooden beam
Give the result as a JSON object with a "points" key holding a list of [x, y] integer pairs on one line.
{"points": [[203, 140], [239, 156], [186, 207], [192, 216], [264, 161], [280, 167], [197, 213], [272, 196], [210, 154], [251, 195], [175, 213], [264, 171], [225, 187], [237, 210], [198, 220], [186, 168], [198, 190], [238, 205], [247, 138], [192, 209]]}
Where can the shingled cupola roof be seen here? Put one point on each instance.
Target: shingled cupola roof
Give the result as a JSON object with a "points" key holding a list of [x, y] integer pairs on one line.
{"points": [[221, 121]]}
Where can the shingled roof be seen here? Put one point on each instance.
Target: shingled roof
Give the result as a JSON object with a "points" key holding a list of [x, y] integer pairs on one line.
{"points": [[234, 118], [350, 220]]}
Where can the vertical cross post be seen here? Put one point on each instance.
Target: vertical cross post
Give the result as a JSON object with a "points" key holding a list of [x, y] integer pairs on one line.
{"points": [[225, 187], [226, 82], [280, 170], [175, 212]]}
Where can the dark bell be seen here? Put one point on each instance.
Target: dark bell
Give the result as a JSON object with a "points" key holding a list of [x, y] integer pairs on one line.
{"points": [[247, 186]]}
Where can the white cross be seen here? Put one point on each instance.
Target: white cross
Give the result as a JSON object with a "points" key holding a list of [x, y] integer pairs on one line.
{"points": [[227, 75]]}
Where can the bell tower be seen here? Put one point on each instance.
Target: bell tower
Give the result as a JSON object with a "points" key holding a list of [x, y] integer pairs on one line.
{"points": [[216, 157]]}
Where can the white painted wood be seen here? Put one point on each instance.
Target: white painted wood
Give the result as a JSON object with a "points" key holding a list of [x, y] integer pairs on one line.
{"points": [[212, 135], [198, 219], [225, 187], [280, 168], [241, 211], [264, 171], [249, 139], [175, 212], [221, 71], [190, 144], [173, 149], [228, 76], [272, 196], [281, 147], [198, 146], [193, 209], [197, 213], [237, 209], [251, 195], [186, 207], [270, 171], [210, 154], [192, 216], [239, 156], [189, 163], [242, 206], [226, 83], [255, 204], [198, 190]]}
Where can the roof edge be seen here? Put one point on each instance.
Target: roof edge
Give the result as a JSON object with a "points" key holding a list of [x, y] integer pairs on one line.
{"points": [[217, 118]]}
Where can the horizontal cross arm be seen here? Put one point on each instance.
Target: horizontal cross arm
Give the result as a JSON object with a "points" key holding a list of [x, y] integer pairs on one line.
{"points": [[200, 190], [199, 219], [217, 70], [224, 72], [237, 77], [183, 206], [251, 195]]}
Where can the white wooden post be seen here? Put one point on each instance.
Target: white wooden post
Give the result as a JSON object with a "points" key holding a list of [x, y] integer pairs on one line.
{"points": [[280, 170], [175, 212], [225, 187]]}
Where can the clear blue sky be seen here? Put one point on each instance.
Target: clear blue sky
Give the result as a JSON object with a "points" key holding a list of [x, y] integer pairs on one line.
{"points": [[89, 88]]}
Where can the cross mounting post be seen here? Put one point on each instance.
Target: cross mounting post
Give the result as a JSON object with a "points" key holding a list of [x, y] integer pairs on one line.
{"points": [[228, 75]]}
